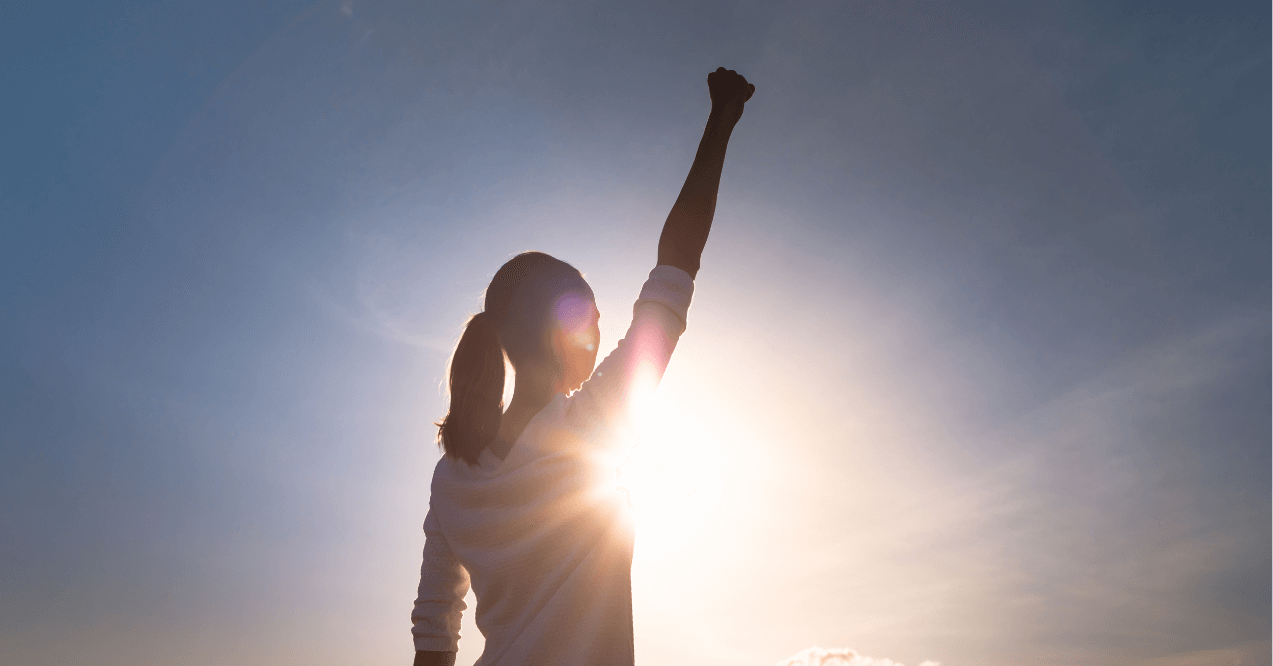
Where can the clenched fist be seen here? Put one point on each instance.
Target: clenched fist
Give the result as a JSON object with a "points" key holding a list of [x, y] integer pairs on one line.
{"points": [[729, 91]]}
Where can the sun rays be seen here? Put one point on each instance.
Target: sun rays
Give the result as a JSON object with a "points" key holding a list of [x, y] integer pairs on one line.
{"points": [[673, 474]]}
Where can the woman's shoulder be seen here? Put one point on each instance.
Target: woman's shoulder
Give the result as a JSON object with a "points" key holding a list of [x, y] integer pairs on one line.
{"points": [[565, 425], [541, 428], [450, 471], [558, 428]]}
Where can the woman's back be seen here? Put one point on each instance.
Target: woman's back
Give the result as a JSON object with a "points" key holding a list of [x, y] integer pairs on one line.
{"points": [[547, 541]]}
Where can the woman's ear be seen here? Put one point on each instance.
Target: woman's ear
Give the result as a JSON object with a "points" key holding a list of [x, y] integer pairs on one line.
{"points": [[574, 362], [559, 343]]}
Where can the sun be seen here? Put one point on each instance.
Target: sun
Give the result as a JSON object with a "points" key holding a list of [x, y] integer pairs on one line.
{"points": [[673, 475]]}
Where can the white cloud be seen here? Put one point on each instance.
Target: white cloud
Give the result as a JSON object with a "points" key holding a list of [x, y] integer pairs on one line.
{"points": [[816, 656]]}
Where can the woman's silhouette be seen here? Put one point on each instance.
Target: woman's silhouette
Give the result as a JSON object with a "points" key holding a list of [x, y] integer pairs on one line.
{"points": [[524, 505]]}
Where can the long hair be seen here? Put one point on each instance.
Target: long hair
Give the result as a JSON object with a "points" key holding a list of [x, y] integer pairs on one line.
{"points": [[515, 324]]}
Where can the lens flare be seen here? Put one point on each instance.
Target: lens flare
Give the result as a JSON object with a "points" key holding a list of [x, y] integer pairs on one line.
{"points": [[577, 314]]}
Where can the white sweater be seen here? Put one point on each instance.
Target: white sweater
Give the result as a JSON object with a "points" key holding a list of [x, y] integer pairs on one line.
{"points": [[544, 535]]}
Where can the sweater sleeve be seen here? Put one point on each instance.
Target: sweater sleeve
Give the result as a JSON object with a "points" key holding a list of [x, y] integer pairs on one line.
{"points": [[635, 367], [439, 604]]}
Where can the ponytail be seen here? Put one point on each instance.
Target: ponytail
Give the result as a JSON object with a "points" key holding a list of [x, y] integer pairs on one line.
{"points": [[476, 386]]}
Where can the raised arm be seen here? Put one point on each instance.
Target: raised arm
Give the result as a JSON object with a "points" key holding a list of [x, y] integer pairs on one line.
{"points": [[685, 231]]}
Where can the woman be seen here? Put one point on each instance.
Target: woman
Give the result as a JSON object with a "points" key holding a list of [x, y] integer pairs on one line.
{"points": [[524, 505]]}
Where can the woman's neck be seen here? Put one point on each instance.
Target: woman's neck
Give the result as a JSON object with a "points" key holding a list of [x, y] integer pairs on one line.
{"points": [[529, 398]]}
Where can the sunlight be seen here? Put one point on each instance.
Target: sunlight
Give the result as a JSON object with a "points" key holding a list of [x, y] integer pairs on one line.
{"points": [[673, 474]]}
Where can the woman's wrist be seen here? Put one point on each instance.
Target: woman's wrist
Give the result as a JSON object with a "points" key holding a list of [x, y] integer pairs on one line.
{"points": [[723, 119]]}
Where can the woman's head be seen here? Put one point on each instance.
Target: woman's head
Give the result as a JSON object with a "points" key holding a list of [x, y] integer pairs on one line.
{"points": [[531, 297], [540, 312]]}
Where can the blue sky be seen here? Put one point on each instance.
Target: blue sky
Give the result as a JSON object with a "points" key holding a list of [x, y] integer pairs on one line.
{"points": [[977, 371]]}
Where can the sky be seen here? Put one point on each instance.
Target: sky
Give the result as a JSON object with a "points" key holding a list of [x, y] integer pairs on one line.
{"points": [[977, 371]]}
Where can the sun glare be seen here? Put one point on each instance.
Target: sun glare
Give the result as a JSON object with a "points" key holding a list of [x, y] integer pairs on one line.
{"points": [[673, 475]]}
